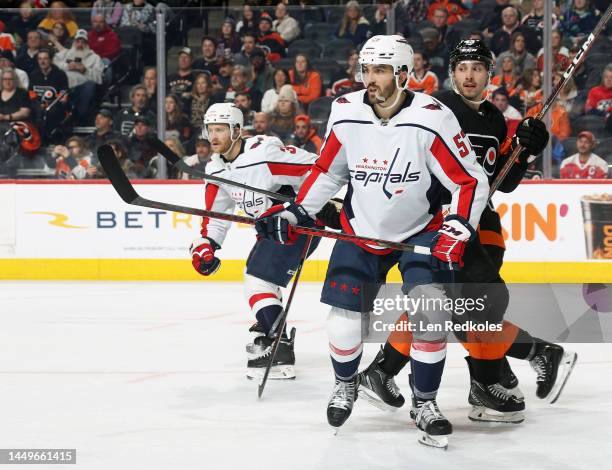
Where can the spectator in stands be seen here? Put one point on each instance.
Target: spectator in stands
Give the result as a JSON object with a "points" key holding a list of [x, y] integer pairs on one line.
{"points": [[270, 97], [560, 53], [59, 37], [529, 88], [180, 83], [243, 101], [284, 24], [379, 26], [435, 50], [535, 18], [127, 117], [84, 70], [559, 116], [239, 83], [493, 20], [223, 80], [111, 10], [177, 147], [261, 71], [249, 44], [249, 21], [103, 40], [440, 22], [199, 100], [522, 59], [281, 119], [261, 124], [305, 80], [270, 39], [21, 24], [599, 99], [305, 136], [208, 61], [513, 117], [198, 160], [26, 57], [103, 132], [7, 60], [584, 164], [578, 20], [507, 77], [229, 41], [149, 81], [177, 124], [14, 101], [413, 11], [140, 15], [421, 79], [345, 82], [74, 161], [59, 11], [131, 170], [140, 152], [354, 25], [454, 8], [500, 41], [568, 94]]}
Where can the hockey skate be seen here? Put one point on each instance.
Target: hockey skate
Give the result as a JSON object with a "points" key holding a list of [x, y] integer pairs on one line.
{"points": [[433, 428], [341, 402], [510, 382], [378, 388], [253, 350], [553, 365], [284, 361]]}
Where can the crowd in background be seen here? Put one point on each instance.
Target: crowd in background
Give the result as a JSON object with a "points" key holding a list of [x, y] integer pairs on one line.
{"points": [[73, 82]]}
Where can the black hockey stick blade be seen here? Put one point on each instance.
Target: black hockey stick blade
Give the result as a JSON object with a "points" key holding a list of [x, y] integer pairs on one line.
{"points": [[115, 174]]}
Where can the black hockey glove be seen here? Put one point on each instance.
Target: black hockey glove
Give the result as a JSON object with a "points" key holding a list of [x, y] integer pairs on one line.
{"points": [[277, 222], [531, 134], [330, 214]]}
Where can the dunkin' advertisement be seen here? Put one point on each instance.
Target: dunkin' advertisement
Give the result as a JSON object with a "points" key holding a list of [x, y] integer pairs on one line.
{"points": [[597, 216]]}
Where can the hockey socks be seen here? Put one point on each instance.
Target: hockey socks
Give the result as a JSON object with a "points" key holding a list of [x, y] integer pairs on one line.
{"points": [[427, 364], [523, 346], [345, 345]]}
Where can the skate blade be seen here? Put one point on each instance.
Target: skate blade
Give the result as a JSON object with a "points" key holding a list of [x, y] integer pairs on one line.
{"points": [[370, 397], [438, 442], [487, 415], [567, 366], [285, 372]]}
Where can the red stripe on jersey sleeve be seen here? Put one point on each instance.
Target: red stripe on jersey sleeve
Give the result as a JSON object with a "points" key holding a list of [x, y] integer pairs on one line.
{"points": [[209, 199], [328, 153], [457, 174], [287, 169]]}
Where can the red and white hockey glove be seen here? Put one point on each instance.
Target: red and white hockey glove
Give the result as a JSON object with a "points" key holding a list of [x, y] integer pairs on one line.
{"points": [[277, 222], [448, 245], [203, 256]]}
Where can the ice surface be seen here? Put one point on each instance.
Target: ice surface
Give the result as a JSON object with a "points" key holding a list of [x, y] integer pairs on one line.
{"points": [[151, 376]]}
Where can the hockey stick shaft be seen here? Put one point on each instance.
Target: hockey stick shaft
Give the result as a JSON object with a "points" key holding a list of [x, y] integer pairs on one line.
{"points": [[180, 165], [567, 75], [281, 322], [126, 191]]}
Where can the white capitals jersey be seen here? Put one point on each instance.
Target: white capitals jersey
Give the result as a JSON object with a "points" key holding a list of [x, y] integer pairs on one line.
{"points": [[264, 163], [394, 169]]}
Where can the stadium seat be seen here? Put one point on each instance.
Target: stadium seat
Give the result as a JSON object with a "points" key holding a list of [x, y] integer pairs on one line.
{"points": [[460, 30], [420, 26], [589, 122], [285, 63], [320, 33], [328, 68], [569, 146], [318, 111], [305, 46], [131, 48], [578, 105], [335, 15], [597, 60], [338, 49], [602, 44], [604, 149], [593, 78], [416, 42]]}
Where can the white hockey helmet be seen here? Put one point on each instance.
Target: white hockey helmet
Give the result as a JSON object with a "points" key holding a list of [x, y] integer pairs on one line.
{"points": [[224, 113], [391, 50]]}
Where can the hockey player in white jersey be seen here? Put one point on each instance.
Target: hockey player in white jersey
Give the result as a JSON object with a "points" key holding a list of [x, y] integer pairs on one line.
{"points": [[394, 149], [262, 162]]}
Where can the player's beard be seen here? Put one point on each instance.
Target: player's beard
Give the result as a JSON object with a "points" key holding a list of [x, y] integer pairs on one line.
{"points": [[379, 95]]}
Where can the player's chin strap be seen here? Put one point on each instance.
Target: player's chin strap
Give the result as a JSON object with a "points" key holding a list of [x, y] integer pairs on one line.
{"points": [[399, 89], [456, 90]]}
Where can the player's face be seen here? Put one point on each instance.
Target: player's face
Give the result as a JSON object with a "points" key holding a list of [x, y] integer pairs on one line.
{"points": [[379, 81], [471, 78], [219, 137]]}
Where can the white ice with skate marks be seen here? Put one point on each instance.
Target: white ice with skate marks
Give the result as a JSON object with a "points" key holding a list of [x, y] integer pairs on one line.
{"points": [[152, 376]]}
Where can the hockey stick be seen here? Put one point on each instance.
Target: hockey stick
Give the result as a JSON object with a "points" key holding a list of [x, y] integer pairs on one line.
{"points": [[281, 321], [180, 165], [126, 191], [569, 73]]}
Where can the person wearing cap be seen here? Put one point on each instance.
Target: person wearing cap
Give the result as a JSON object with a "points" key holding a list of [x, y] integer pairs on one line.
{"points": [[284, 24], [436, 51], [208, 61], [103, 132], [181, 82], [584, 164], [354, 25], [223, 80], [7, 59], [102, 39], [270, 39], [261, 71], [139, 150], [281, 120], [229, 41], [305, 136], [84, 69]]}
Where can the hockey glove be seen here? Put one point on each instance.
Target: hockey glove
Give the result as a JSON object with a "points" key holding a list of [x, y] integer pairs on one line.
{"points": [[329, 216], [531, 134], [203, 256], [277, 222], [448, 245]]}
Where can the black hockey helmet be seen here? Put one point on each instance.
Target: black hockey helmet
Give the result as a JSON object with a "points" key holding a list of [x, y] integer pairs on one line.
{"points": [[471, 49]]}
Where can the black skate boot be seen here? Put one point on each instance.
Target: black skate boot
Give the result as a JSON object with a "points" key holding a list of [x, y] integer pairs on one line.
{"points": [[378, 388], [253, 350], [433, 427], [493, 403], [553, 365], [510, 381], [284, 361], [341, 402]]}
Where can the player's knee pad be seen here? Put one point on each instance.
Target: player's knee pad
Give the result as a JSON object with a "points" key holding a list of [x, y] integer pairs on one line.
{"points": [[260, 293], [430, 312], [494, 297], [344, 331]]}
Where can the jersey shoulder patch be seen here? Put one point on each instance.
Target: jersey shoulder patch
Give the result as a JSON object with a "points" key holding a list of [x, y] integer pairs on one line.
{"points": [[342, 100], [433, 107]]}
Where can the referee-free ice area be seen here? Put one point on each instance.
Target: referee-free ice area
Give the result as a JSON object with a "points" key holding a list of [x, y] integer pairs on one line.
{"points": [[152, 376]]}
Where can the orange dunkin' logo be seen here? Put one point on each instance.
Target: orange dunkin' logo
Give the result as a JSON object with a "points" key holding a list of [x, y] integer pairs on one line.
{"points": [[526, 219]]}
